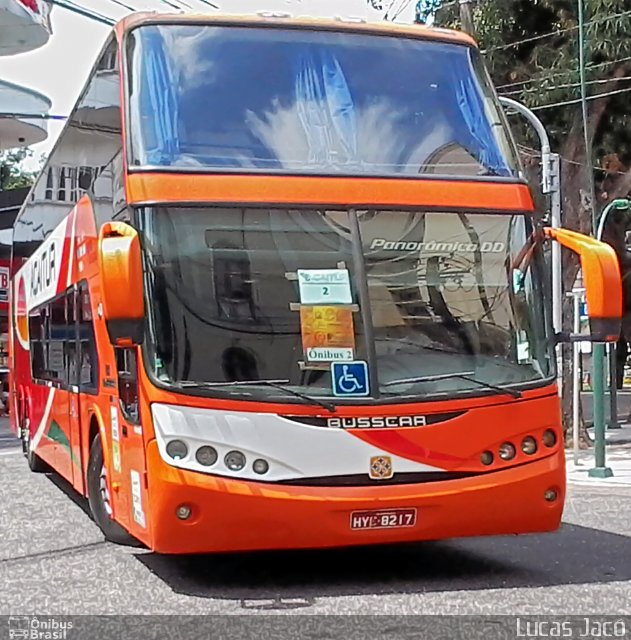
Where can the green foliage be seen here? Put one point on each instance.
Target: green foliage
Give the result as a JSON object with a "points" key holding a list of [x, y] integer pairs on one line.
{"points": [[532, 50], [12, 175], [425, 9]]}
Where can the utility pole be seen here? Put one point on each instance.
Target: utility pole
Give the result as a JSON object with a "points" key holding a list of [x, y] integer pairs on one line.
{"points": [[600, 469], [466, 18]]}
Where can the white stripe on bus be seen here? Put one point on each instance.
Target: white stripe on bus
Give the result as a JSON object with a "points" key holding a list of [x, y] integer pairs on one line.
{"points": [[42, 425]]}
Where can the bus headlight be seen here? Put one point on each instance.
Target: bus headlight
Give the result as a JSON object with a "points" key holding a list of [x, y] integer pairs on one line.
{"points": [[206, 455], [549, 438], [234, 460], [529, 445], [260, 466], [177, 449], [486, 458], [507, 451]]}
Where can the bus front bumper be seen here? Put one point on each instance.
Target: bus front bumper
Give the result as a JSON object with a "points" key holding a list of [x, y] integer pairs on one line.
{"points": [[233, 515]]}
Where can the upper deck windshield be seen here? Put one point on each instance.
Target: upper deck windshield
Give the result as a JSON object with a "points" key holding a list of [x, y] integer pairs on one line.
{"points": [[251, 99], [436, 303]]}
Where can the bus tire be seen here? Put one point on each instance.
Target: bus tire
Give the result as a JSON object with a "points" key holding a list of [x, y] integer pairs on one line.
{"points": [[35, 463], [98, 498]]}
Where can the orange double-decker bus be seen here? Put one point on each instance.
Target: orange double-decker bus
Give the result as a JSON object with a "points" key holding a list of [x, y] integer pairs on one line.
{"points": [[282, 285]]}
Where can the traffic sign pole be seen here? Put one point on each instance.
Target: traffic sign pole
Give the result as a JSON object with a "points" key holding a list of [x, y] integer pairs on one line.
{"points": [[598, 375]]}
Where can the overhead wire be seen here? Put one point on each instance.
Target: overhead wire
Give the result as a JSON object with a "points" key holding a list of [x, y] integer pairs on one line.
{"points": [[556, 32], [172, 5], [82, 11], [404, 6], [210, 4], [560, 72], [30, 116], [564, 103], [122, 4], [537, 153], [389, 9], [564, 86]]}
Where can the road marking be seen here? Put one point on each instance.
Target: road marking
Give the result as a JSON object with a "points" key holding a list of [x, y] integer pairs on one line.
{"points": [[10, 453]]}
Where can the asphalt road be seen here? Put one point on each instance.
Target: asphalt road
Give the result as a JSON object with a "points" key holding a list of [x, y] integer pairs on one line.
{"points": [[54, 561]]}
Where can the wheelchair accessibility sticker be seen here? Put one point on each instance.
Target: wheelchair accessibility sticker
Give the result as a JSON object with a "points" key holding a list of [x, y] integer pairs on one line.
{"points": [[350, 379]]}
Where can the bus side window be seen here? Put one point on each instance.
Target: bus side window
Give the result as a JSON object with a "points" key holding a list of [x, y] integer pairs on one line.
{"points": [[127, 366], [71, 340], [57, 336], [37, 345], [88, 365]]}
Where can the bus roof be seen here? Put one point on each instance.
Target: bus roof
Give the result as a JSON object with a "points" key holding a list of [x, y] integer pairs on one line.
{"points": [[342, 24]]}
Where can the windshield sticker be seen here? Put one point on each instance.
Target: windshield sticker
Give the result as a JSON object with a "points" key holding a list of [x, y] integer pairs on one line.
{"points": [[116, 450], [324, 286], [350, 379], [432, 246], [523, 348], [327, 333], [136, 495]]}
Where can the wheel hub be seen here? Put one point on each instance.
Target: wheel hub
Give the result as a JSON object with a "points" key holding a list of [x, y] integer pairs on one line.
{"points": [[105, 494]]}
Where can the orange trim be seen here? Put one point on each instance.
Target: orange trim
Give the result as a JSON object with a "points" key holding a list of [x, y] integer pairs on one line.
{"points": [[601, 272], [172, 187], [120, 267], [370, 28], [231, 514]]}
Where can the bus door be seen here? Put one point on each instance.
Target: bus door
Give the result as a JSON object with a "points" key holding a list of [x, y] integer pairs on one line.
{"points": [[74, 399], [132, 442]]}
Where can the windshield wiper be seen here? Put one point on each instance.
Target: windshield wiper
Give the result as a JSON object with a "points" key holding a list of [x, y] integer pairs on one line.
{"points": [[464, 375], [277, 384]]}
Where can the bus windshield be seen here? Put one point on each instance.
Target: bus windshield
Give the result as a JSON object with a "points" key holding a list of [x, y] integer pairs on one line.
{"points": [[247, 99], [435, 303]]}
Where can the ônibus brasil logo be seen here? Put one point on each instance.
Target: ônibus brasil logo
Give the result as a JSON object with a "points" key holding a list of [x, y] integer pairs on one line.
{"points": [[38, 628]]}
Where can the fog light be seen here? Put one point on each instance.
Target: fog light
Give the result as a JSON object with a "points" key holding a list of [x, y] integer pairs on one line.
{"points": [[529, 445], [206, 456], [550, 495], [177, 449], [549, 438], [183, 512], [235, 460], [507, 451], [486, 458], [260, 466]]}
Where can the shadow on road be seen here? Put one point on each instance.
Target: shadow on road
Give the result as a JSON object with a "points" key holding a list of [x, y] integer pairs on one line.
{"points": [[292, 579], [63, 485]]}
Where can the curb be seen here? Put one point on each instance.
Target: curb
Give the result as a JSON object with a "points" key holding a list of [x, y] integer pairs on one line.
{"points": [[599, 482]]}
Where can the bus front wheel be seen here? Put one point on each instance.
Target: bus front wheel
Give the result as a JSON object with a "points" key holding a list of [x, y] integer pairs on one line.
{"points": [[99, 498]]}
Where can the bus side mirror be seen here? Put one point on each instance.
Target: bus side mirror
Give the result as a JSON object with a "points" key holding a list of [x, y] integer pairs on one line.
{"points": [[120, 266], [602, 282]]}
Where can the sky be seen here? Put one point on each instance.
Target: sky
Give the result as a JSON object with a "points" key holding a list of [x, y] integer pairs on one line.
{"points": [[60, 68]]}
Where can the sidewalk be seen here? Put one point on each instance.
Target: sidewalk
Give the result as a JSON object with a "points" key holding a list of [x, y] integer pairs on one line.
{"points": [[617, 458]]}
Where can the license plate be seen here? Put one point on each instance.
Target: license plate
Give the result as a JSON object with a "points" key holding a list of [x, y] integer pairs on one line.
{"points": [[383, 519]]}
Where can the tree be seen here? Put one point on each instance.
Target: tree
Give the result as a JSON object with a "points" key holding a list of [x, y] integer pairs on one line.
{"points": [[531, 48], [12, 175]]}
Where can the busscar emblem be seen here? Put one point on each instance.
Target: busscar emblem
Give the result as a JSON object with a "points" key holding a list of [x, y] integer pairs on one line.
{"points": [[381, 467]]}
